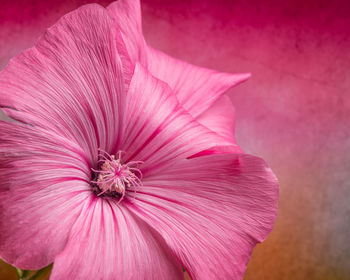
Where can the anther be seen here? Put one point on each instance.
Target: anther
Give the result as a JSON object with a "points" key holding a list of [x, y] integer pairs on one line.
{"points": [[114, 177]]}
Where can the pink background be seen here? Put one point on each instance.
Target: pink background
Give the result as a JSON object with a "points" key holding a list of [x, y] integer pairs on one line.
{"points": [[294, 112]]}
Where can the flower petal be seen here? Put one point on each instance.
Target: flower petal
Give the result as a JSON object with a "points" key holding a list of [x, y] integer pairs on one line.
{"points": [[71, 81], [108, 242], [195, 87], [127, 17], [157, 130], [220, 118], [211, 211], [43, 180]]}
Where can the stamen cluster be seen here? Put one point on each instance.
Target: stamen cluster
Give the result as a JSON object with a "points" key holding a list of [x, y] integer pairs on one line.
{"points": [[114, 177]]}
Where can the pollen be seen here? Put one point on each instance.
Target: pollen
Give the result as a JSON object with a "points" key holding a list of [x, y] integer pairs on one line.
{"points": [[115, 177]]}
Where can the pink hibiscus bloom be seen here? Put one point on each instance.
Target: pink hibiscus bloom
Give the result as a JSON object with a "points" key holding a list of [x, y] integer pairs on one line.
{"points": [[121, 164]]}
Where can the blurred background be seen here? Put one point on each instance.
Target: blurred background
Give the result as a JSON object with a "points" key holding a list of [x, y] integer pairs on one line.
{"points": [[294, 111]]}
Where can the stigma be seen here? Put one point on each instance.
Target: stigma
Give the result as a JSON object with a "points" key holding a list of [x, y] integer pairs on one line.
{"points": [[115, 177]]}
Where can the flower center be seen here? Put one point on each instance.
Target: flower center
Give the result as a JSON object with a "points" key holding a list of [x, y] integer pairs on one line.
{"points": [[114, 177]]}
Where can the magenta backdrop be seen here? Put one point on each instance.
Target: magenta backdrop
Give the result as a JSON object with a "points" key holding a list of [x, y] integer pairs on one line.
{"points": [[294, 111]]}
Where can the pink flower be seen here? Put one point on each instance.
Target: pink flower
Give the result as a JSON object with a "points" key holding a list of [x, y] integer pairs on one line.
{"points": [[111, 173]]}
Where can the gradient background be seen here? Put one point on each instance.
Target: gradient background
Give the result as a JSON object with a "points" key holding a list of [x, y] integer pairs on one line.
{"points": [[294, 112]]}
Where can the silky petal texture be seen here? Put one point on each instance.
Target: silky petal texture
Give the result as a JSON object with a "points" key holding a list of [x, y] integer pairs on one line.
{"points": [[220, 117], [71, 81], [158, 131], [196, 88], [43, 181], [127, 17], [211, 211], [108, 242]]}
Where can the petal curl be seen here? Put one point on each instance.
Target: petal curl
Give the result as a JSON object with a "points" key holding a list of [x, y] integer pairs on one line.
{"points": [[157, 130], [211, 211], [71, 81], [127, 17], [197, 88], [43, 181], [108, 242], [220, 117]]}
